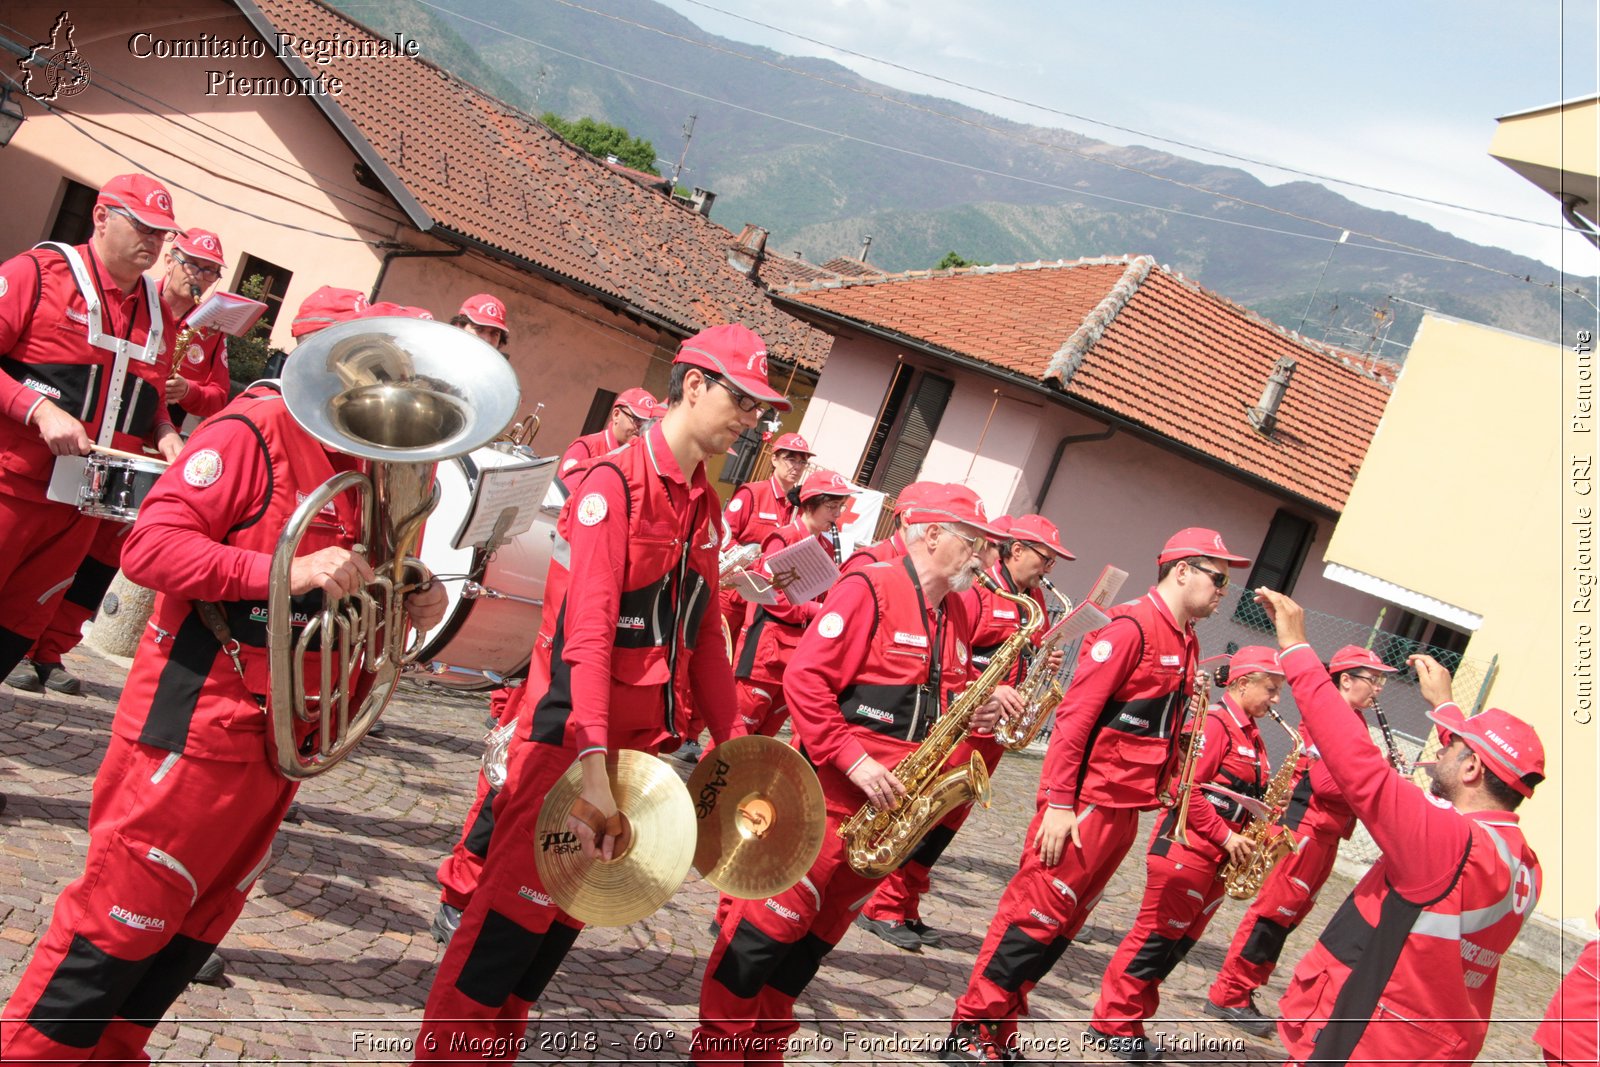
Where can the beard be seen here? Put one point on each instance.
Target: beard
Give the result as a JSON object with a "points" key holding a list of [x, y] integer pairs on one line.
{"points": [[963, 579]]}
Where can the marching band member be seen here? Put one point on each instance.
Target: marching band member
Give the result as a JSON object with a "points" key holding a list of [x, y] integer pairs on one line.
{"points": [[1320, 818], [1183, 883], [199, 385], [893, 546], [484, 316], [1405, 971], [632, 409], [769, 640], [1026, 556], [1113, 749], [758, 509], [55, 392], [641, 531], [188, 797], [329, 304], [889, 637]]}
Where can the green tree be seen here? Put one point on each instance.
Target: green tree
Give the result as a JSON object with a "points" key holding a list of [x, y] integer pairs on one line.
{"points": [[248, 355], [603, 139], [952, 260]]}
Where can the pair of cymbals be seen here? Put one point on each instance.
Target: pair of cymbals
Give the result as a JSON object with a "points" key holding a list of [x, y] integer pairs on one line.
{"points": [[751, 820]]}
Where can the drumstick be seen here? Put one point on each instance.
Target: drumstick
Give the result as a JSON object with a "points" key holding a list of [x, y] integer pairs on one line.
{"points": [[103, 450]]}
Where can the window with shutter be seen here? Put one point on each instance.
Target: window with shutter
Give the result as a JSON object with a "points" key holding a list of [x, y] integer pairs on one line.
{"points": [[75, 219], [1277, 565], [893, 400], [905, 431], [599, 412]]}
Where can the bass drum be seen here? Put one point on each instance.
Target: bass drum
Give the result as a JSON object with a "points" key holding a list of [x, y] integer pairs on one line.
{"points": [[495, 600]]}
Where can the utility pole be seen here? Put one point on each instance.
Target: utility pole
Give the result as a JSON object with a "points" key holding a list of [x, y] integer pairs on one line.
{"points": [[688, 135]]}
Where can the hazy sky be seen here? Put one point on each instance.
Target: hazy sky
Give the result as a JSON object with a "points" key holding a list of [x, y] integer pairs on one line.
{"points": [[1402, 95]]}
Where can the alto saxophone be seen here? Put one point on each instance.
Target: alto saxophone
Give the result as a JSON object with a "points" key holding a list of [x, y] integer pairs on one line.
{"points": [[1272, 843], [878, 841], [1041, 691]]}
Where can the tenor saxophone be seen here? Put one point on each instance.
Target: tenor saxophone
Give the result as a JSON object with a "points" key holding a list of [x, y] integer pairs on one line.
{"points": [[1183, 788], [877, 841], [1272, 843], [1041, 691]]}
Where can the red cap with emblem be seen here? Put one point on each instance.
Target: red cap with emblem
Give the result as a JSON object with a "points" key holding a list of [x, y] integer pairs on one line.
{"points": [[1038, 530], [793, 442], [200, 244], [638, 403], [1508, 746], [141, 196], [486, 309], [1352, 657], [952, 503], [913, 495], [825, 483], [325, 307], [386, 309], [738, 356], [1199, 541]]}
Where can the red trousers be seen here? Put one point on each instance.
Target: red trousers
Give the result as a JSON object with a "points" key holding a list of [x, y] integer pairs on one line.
{"points": [[459, 873], [43, 544], [899, 896], [768, 950], [1286, 898], [1040, 912], [762, 709], [175, 843], [1181, 893], [83, 596]]}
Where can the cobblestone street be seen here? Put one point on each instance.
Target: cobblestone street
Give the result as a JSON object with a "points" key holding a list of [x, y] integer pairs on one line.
{"points": [[331, 960]]}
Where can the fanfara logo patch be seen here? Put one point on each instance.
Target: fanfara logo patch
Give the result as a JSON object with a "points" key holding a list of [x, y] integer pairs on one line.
{"points": [[914, 640], [195, 355], [203, 468], [5, 286], [591, 509], [135, 920], [830, 625], [736, 504], [1101, 651]]}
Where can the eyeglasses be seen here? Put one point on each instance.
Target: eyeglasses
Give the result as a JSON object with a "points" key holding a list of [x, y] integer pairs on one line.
{"points": [[194, 266], [1377, 681], [1047, 558], [140, 228], [1218, 578], [744, 401], [977, 542]]}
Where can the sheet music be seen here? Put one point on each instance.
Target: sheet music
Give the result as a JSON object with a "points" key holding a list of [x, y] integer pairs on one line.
{"points": [[504, 503], [1107, 586], [753, 587], [804, 571], [1083, 619], [228, 313]]}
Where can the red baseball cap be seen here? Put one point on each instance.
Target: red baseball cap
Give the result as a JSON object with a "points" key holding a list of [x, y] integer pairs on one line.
{"points": [[913, 495], [1199, 541], [825, 483], [143, 197], [1252, 659], [1351, 657], [486, 309], [385, 308], [638, 403], [200, 244], [793, 442], [952, 503], [1038, 530], [325, 307], [1508, 746], [738, 355]]}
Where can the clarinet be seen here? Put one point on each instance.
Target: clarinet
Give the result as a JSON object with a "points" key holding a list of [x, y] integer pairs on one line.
{"points": [[1397, 759], [838, 547]]}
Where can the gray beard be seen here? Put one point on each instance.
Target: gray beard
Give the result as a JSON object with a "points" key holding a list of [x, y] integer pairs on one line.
{"points": [[963, 581]]}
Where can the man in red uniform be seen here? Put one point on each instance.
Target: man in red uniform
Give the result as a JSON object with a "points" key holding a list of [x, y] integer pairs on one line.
{"points": [[188, 799], [639, 536], [324, 307], [484, 316], [1320, 818], [893, 546], [1113, 749], [629, 413], [758, 509], [1183, 883], [86, 359], [1569, 1035], [1027, 555], [864, 685], [198, 386], [1405, 970]]}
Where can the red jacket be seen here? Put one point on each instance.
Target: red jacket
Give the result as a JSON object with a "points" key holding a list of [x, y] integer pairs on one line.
{"points": [[1570, 1032], [1405, 971], [1317, 805], [588, 446], [638, 537], [772, 631], [207, 531], [996, 619], [45, 326], [1116, 727], [756, 511], [891, 547], [203, 363], [1232, 754]]}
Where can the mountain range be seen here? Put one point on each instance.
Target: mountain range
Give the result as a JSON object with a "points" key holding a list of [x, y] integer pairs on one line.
{"points": [[823, 158]]}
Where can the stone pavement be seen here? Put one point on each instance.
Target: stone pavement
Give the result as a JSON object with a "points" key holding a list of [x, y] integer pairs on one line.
{"points": [[331, 961]]}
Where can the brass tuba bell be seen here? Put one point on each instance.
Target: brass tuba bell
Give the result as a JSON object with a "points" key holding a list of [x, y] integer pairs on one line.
{"points": [[402, 394]]}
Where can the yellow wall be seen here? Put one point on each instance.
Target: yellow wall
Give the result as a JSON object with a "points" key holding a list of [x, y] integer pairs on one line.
{"points": [[1465, 496], [1556, 148]]}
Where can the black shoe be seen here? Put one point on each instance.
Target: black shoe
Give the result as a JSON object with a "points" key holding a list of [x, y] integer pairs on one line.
{"points": [[893, 931], [689, 752], [976, 1043], [1132, 1049], [2, 803], [378, 729], [929, 937], [446, 921], [292, 814], [25, 677], [58, 679], [1247, 1018], [713, 928], [211, 971]]}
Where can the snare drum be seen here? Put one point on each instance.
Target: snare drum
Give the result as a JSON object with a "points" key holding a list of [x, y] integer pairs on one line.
{"points": [[114, 487], [493, 612]]}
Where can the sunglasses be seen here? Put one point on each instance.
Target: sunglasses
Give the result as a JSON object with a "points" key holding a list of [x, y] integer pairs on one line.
{"points": [[140, 228], [1218, 578]]}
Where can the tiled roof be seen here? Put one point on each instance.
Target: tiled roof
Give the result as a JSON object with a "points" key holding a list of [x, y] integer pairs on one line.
{"points": [[477, 167], [853, 268], [1145, 344]]}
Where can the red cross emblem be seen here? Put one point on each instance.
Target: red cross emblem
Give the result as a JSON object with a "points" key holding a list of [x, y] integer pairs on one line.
{"points": [[849, 514], [1521, 890]]}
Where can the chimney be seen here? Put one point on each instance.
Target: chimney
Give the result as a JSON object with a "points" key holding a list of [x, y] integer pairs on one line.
{"points": [[866, 244], [748, 250], [702, 200], [1264, 416]]}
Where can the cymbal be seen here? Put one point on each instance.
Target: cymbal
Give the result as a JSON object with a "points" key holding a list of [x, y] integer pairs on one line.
{"points": [[760, 815], [654, 863]]}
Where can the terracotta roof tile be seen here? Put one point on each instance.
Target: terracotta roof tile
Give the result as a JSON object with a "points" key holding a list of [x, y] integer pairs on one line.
{"points": [[484, 170], [1147, 345]]}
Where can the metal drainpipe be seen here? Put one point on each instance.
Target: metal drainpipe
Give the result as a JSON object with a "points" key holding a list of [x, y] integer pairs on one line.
{"points": [[1055, 460], [408, 253], [1569, 211]]}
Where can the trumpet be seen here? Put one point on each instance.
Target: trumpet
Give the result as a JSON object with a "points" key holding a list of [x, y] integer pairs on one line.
{"points": [[1177, 798]]}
